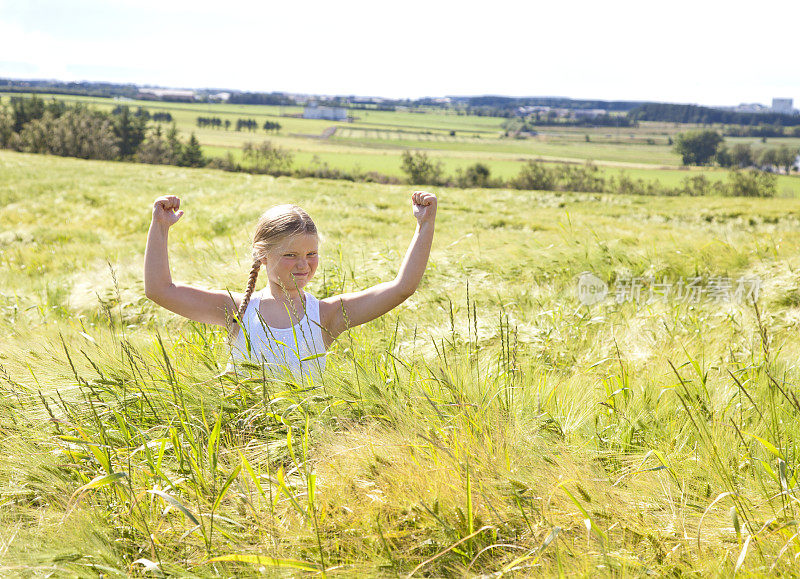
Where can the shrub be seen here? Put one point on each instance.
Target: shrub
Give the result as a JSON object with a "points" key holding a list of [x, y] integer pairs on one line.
{"points": [[751, 184], [268, 158], [477, 175], [534, 176], [697, 147], [421, 170]]}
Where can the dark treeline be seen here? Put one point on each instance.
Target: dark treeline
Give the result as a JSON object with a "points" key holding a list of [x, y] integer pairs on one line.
{"points": [[502, 102], [33, 125], [598, 121], [762, 131], [271, 126], [159, 117], [246, 124], [510, 103], [260, 98], [500, 106], [241, 124], [489, 112], [695, 114], [95, 89], [213, 122], [530, 123]]}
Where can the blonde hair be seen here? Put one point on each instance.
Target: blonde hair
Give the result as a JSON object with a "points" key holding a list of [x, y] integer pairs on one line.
{"points": [[276, 225]]}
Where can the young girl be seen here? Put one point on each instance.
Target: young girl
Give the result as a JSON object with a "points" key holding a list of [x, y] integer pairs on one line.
{"points": [[285, 328]]}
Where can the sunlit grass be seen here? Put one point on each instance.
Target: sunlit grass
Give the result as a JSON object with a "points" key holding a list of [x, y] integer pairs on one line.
{"points": [[490, 425]]}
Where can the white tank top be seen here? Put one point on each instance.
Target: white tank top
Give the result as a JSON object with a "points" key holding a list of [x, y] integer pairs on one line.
{"points": [[299, 349]]}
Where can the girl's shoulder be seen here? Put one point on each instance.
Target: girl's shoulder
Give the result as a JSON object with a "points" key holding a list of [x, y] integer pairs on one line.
{"points": [[328, 307]]}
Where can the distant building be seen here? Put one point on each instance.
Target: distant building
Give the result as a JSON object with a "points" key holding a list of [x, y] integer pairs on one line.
{"points": [[220, 96], [168, 93], [783, 106], [314, 111], [526, 110], [751, 108]]}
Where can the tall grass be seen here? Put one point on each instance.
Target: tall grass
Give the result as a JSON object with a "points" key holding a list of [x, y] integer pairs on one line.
{"points": [[492, 425]]}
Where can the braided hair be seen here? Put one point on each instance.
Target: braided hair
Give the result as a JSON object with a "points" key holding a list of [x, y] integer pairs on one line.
{"points": [[275, 226]]}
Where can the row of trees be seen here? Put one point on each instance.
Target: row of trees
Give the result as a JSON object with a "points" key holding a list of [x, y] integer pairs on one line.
{"points": [[420, 169], [260, 98], [246, 124], [707, 147], [159, 117], [241, 124], [271, 126], [24, 110], [551, 119], [674, 113], [213, 122], [33, 126], [85, 88], [742, 155], [762, 131]]}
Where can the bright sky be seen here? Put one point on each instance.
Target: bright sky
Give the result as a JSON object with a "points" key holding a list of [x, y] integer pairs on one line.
{"points": [[696, 51]]}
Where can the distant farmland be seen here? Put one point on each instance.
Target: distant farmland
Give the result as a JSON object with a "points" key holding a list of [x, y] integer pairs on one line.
{"points": [[375, 140]]}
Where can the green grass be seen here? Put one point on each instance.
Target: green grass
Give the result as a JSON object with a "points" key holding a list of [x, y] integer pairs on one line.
{"points": [[376, 140], [389, 162], [489, 425]]}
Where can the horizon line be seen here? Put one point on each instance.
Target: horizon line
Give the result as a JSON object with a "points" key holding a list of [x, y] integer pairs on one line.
{"points": [[355, 95]]}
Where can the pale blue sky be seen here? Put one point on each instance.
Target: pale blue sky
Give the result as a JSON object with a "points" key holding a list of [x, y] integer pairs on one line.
{"points": [[700, 51]]}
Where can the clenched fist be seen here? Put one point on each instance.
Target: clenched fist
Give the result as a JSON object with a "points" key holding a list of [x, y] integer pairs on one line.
{"points": [[423, 205], [166, 210]]}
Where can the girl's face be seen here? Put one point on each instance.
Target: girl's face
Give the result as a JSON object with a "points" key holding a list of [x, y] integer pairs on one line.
{"points": [[294, 262]]}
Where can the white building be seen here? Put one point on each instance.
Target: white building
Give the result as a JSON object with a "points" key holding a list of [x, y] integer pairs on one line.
{"points": [[783, 106], [168, 92], [749, 108], [313, 111]]}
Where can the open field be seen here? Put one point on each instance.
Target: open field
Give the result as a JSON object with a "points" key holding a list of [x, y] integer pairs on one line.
{"points": [[376, 140], [491, 425]]}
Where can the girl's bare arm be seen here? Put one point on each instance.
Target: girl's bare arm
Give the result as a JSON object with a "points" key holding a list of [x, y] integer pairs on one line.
{"points": [[353, 309], [207, 306]]}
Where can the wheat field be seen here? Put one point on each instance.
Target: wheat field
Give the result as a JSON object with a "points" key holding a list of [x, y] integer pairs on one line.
{"points": [[492, 425]]}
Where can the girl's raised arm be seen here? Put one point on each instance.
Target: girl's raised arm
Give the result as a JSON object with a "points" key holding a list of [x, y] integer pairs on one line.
{"points": [[344, 311], [207, 306]]}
